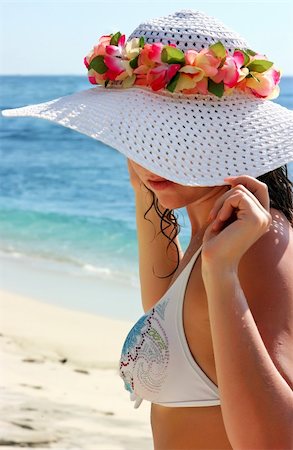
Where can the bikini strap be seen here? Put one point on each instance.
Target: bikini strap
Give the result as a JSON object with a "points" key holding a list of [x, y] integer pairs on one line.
{"points": [[189, 266]]}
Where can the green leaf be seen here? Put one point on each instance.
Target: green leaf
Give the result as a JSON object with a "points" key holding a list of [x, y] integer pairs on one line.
{"points": [[222, 63], [172, 55], [173, 82], [218, 49], [250, 75], [259, 65], [134, 62], [115, 38], [216, 88], [141, 42], [245, 54], [250, 52], [98, 64], [246, 57]]}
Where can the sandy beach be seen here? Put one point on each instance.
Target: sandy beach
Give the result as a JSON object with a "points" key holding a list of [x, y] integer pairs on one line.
{"points": [[59, 382]]}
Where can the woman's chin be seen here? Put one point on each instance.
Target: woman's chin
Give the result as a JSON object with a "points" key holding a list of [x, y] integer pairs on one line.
{"points": [[169, 203]]}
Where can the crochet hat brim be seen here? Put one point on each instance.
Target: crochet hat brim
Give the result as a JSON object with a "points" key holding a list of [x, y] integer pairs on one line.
{"points": [[194, 140]]}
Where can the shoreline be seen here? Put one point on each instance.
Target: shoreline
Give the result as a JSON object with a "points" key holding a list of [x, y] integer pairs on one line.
{"points": [[60, 384], [53, 283]]}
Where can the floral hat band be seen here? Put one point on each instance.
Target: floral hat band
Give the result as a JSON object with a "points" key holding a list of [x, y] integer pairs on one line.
{"points": [[210, 71]]}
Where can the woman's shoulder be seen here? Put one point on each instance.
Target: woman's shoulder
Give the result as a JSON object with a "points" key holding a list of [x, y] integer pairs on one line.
{"points": [[273, 252], [265, 271], [265, 275], [267, 266]]}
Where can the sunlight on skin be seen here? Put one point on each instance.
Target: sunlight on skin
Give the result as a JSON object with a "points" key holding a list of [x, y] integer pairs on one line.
{"points": [[278, 226]]}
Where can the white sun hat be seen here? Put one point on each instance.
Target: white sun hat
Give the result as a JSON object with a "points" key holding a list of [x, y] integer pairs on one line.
{"points": [[191, 139]]}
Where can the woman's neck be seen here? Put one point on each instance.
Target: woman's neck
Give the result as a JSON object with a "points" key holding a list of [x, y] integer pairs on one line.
{"points": [[199, 210]]}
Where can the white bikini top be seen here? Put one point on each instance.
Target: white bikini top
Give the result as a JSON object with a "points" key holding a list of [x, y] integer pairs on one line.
{"points": [[156, 363]]}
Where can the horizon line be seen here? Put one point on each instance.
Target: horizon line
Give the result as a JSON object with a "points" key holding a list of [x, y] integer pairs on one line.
{"points": [[288, 75]]}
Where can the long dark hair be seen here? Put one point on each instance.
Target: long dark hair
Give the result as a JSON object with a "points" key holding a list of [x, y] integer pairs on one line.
{"points": [[280, 192]]}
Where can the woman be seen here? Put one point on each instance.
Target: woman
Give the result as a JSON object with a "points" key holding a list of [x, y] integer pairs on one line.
{"points": [[237, 308], [187, 102]]}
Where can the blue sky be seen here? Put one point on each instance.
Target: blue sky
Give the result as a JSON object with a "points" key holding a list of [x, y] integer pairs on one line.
{"points": [[52, 37]]}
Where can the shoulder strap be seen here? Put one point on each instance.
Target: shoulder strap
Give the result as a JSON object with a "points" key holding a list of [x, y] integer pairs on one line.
{"points": [[185, 273], [188, 268]]}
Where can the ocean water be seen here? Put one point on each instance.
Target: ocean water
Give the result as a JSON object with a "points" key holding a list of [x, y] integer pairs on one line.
{"points": [[64, 197]]}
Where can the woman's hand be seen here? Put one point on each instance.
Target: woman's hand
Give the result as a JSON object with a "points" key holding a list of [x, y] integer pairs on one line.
{"points": [[238, 219]]}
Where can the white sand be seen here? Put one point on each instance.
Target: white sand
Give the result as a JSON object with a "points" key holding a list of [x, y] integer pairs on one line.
{"points": [[59, 382]]}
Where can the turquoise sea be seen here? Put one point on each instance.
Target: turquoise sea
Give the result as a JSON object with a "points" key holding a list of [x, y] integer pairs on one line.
{"points": [[65, 198]]}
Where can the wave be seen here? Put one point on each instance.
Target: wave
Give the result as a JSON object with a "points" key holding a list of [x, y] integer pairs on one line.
{"points": [[73, 267], [72, 241]]}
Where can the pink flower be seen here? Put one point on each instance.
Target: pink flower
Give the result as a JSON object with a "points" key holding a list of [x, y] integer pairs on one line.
{"points": [[204, 60], [190, 57], [200, 88], [155, 52], [100, 48], [86, 62], [115, 67], [104, 48], [141, 80], [194, 75], [112, 50], [115, 50], [113, 59], [263, 85], [160, 76], [188, 78], [150, 55], [141, 75], [95, 78], [194, 72], [230, 73]]}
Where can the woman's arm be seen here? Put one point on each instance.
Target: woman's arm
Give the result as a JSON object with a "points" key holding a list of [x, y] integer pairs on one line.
{"points": [[155, 259], [256, 401]]}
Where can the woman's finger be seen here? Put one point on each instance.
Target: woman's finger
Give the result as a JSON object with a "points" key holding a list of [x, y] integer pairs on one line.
{"points": [[256, 187], [225, 213], [238, 188], [239, 205]]}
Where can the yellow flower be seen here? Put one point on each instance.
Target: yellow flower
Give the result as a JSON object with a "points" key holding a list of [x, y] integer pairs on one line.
{"points": [[131, 49]]}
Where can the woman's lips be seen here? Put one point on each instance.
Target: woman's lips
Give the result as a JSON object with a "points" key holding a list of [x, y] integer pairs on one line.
{"points": [[160, 185]]}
